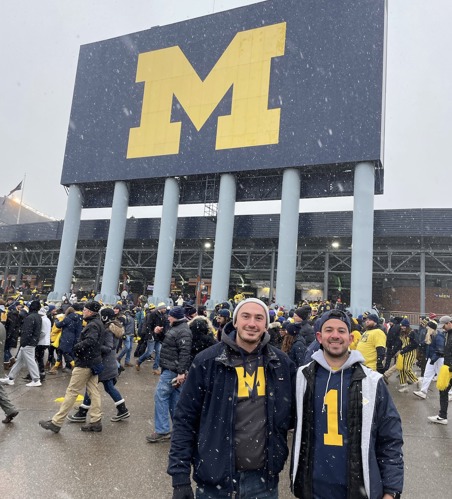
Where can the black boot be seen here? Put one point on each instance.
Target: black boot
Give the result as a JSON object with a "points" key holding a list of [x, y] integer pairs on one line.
{"points": [[79, 416], [123, 412]]}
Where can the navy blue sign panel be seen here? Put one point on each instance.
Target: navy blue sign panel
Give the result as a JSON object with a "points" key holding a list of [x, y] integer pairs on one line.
{"points": [[282, 83]]}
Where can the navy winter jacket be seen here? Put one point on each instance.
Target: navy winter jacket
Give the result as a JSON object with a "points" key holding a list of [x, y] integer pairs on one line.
{"points": [[71, 327], [203, 426]]}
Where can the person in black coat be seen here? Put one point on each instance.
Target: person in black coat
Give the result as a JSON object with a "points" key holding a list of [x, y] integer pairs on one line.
{"points": [[202, 335], [393, 343], [12, 325], [297, 351], [88, 362], [108, 376], [301, 318], [31, 331]]}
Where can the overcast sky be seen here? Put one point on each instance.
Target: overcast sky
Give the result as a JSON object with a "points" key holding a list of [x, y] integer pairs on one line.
{"points": [[39, 46]]}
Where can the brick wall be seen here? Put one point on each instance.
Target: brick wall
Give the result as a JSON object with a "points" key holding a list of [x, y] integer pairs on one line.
{"points": [[437, 300]]}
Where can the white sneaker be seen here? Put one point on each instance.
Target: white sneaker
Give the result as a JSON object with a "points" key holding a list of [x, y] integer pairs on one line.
{"points": [[7, 381], [420, 394], [403, 388], [34, 383], [437, 419]]}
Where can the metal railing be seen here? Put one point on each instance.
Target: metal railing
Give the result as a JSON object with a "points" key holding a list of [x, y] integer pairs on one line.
{"points": [[413, 317]]}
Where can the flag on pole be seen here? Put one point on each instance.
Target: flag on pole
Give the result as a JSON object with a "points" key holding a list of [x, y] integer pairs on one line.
{"points": [[18, 188]]}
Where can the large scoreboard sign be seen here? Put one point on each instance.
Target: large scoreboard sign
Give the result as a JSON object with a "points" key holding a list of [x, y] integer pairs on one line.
{"points": [[282, 83]]}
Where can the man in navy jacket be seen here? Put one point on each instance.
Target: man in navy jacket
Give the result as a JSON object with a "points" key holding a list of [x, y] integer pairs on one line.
{"points": [[233, 414]]}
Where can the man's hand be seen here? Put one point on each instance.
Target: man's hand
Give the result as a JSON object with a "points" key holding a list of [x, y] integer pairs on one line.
{"points": [[183, 492], [180, 378]]}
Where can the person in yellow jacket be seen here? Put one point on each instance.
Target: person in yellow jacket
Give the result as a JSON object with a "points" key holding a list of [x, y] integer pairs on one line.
{"points": [[372, 345], [356, 335]]}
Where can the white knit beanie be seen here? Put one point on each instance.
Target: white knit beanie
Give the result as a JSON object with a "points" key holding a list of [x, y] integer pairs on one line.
{"points": [[251, 300]]}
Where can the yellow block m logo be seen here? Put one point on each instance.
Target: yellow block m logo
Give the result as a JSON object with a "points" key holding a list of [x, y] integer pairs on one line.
{"points": [[245, 65], [246, 382]]}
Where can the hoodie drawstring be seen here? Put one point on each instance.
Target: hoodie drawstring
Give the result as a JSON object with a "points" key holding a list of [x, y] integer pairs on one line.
{"points": [[340, 394], [326, 391]]}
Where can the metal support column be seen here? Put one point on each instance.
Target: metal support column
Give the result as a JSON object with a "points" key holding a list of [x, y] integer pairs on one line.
{"points": [[99, 266], [167, 241], [6, 272], [19, 270], [272, 278], [326, 275], [362, 236], [68, 246], [288, 239], [422, 283], [223, 239], [115, 244]]}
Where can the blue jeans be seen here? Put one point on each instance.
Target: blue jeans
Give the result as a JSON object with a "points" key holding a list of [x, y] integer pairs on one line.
{"points": [[109, 386], [165, 399], [249, 485], [150, 347], [157, 348], [127, 350]]}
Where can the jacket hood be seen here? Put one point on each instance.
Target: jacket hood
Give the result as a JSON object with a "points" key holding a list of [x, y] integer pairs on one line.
{"points": [[229, 339], [353, 358]]}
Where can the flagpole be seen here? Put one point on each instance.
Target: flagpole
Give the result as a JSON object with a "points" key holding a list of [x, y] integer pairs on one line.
{"points": [[21, 198]]}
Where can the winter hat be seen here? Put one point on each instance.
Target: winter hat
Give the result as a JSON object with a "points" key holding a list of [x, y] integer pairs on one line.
{"points": [[303, 312], [373, 317], [432, 316], [107, 314], [51, 307], [405, 322], [224, 312], [177, 312], [251, 300], [432, 324], [199, 325], [444, 320], [332, 314], [161, 306], [34, 306], [291, 329], [94, 306], [189, 310]]}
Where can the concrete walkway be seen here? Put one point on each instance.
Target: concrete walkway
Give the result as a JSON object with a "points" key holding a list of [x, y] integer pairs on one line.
{"points": [[118, 462]]}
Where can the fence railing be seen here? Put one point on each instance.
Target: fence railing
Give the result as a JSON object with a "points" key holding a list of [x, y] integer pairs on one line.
{"points": [[413, 317]]}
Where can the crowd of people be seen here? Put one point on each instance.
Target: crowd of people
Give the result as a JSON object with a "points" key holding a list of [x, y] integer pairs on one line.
{"points": [[239, 379]]}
